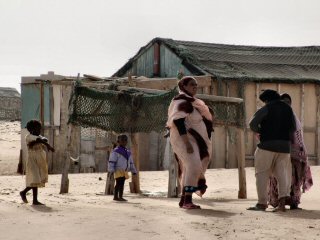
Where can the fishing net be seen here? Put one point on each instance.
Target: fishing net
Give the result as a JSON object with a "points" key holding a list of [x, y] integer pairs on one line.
{"points": [[135, 111]]}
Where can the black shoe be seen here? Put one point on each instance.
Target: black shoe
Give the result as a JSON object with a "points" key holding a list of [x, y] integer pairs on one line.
{"points": [[116, 199], [23, 197], [123, 200], [37, 203]]}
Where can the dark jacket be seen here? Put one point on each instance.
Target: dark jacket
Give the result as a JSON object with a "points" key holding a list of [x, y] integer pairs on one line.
{"points": [[275, 124]]}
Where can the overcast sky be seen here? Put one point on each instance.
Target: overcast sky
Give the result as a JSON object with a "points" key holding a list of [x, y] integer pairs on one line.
{"points": [[98, 36]]}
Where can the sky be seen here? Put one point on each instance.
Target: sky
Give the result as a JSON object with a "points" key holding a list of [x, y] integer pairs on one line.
{"points": [[99, 36]]}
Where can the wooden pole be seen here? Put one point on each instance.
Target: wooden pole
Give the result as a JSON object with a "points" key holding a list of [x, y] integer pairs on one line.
{"points": [[109, 184], [51, 129], [64, 188], [135, 184], [242, 194], [173, 190]]}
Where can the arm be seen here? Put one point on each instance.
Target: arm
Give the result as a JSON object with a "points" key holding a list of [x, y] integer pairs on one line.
{"points": [[43, 141], [183, 133], [257, 119], [112, 162], [133, 169]]}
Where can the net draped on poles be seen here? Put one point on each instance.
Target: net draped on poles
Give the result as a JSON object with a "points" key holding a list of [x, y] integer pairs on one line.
{"points": [[137, 111]]}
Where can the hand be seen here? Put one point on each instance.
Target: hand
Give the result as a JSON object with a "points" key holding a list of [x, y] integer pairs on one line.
{"points": [[134, 173], [51, 149]]}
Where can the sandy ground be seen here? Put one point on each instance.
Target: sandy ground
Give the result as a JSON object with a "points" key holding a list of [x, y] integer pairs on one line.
{"points": [[85, 213]]}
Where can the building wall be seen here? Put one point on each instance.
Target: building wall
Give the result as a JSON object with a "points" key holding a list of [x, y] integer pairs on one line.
{"points": [[170, 64], [56, 134], [10, 108]]}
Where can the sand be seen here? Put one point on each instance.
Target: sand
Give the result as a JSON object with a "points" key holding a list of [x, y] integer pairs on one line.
{"points": [[85, 213]]}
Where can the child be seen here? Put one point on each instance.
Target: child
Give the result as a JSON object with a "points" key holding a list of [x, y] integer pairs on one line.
{"points": [[36, 164], [120, 163]]}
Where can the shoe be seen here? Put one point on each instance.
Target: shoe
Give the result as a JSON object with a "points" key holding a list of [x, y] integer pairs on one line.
{"points": [[295, 207], [123, 200], [190, 206], [37, 203], [23, 197], [258, 207], [116, 199]]}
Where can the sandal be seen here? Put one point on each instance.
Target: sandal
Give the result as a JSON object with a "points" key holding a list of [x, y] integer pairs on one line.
{"points": [[258, 207], [191, 206]]}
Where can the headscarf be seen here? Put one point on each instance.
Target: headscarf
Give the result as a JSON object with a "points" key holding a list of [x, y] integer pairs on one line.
{"points": [[269, 95], [183, 82]]}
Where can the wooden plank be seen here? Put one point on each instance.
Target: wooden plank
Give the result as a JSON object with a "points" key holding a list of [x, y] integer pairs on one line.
{"points": [[242, 194], [279, 88], [64, 187], [109, 190], [135, 184], [255, 140], [227, 164], [201, 96], [169, 83], [173, 175], [51, 130], [42, 105]]}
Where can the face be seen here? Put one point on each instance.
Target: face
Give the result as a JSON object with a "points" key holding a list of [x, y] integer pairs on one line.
{"points": [[123, 142], [191, 87], [287, 101]]}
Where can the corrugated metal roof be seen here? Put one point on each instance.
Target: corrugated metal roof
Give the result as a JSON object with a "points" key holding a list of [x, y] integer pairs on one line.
{"points": [[244, 62], [9, 92]]}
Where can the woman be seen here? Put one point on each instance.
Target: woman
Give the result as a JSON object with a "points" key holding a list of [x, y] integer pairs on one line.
{"points": [[190, 124], [301, 174]]}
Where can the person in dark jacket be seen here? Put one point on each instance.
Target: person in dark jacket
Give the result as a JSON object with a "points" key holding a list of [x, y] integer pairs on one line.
{"points": [[275, 124]]}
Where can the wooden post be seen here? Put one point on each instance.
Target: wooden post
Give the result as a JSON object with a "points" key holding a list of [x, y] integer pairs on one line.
{"points": [[64, 188], [242, 194], [255, 140], [109, 184], [135, 184], [173, 190], [51, 129], [227, 164], [42, 107]]}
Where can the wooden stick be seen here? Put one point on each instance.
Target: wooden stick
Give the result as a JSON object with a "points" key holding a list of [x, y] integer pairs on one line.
{"points": [[242, 194], [109, 184], [135, 184], [173, 175], [213, 98], [64, 188]]}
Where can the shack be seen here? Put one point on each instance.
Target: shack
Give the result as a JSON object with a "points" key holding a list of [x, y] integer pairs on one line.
{"points": [[10, 104], [242, 72]]}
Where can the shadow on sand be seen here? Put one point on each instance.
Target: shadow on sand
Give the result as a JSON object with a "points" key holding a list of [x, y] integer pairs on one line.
{"points": [[303, 214], [43, 208]]}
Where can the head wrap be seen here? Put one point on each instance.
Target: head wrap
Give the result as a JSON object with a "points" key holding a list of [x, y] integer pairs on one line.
{"points": [[269, 95], [285, 95], [184, 82]]}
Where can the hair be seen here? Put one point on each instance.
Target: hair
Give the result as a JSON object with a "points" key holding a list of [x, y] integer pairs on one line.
{"points": [[285, 95], [269, 95], [33, 124], [184, 82], [122, 137]]}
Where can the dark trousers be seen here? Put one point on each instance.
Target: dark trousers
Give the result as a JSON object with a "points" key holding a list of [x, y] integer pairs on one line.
{"points": [[118, 189]]}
